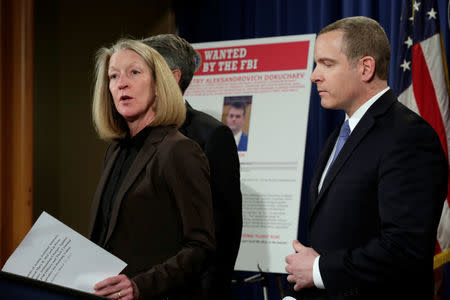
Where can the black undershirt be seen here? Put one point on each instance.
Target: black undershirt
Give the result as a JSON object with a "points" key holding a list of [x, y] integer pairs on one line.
{"points": [[129, 148]]}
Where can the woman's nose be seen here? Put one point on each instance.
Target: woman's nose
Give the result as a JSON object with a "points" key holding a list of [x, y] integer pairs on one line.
{"points": [[123, 83]]}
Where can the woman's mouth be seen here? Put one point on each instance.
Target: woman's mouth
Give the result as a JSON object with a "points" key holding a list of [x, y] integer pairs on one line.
{"points": [[125, 98]]}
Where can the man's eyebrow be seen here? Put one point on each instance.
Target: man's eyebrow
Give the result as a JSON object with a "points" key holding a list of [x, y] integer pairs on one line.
{"points": [[326, 59]]}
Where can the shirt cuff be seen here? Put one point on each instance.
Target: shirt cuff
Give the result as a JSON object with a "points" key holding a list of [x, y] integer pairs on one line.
{"points": [[288, 298], [316, 274]]}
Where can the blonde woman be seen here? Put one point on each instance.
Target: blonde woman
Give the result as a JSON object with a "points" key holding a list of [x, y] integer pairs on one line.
{"points": [[152, 207]]}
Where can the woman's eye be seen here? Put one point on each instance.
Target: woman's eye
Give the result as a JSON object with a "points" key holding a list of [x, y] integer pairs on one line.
{"points": [[113, 76], [134, 72]]}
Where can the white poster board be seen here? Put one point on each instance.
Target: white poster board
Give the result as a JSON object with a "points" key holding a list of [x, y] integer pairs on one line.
{"points": [[271, 76]]}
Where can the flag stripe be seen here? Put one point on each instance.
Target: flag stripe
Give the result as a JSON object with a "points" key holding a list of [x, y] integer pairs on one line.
{"points": [[427, 103], [425, 94], [425, 89], [433, 55], [407, 98], [444, 229]]}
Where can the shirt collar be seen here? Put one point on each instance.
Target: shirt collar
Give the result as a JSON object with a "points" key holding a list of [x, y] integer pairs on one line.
{"points": [[237, 137], [138, 140], [356, 117]]}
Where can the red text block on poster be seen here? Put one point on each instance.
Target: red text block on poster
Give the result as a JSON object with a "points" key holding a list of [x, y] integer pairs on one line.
{"points": [[253, 58]]}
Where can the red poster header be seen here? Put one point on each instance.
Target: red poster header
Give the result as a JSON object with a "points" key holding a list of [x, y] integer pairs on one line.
{"points": [[253, 58]]}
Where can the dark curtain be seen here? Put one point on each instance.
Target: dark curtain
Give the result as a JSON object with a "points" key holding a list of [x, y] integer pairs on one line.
{"points": [[218, 20]]}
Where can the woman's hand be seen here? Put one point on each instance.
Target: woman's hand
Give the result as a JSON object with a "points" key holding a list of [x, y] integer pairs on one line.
{"points": [[117, 287]]}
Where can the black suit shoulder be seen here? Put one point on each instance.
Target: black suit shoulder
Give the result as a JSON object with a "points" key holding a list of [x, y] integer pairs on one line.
{"points": [[200, 127], [217, 141], [403, 123]]}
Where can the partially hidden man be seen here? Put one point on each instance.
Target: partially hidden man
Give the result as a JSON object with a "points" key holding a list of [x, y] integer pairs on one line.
{"points": [[218, 143]]}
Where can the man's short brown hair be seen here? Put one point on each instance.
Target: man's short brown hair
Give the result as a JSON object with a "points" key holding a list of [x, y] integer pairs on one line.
{"points": [[364, 37]]}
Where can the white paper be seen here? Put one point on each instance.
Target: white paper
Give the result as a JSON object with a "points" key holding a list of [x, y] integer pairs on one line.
{"points": [[55, 253]]}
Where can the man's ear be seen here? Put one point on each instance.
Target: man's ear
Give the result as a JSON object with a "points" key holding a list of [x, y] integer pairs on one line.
{"points": [[177, 75], [367, 64]]}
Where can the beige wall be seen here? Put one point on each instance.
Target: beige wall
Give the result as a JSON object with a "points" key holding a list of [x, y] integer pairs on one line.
{"points": [[68, 155]]}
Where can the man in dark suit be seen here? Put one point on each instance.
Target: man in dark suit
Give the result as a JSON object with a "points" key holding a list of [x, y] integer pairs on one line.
{"points": [[380, 182], [217, 142]]}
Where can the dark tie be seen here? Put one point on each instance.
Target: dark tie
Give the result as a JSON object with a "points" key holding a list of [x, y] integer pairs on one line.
{"points": [[343, 136]]}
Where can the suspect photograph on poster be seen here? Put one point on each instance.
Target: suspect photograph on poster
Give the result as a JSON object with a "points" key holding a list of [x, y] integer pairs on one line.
{"points": [[236, 115]]}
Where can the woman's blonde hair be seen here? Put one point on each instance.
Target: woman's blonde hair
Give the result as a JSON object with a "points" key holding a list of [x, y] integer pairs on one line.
{"points": [[170, 108]]}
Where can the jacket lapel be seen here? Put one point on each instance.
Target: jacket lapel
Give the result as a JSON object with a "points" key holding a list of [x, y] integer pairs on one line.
{"points": [[320, 166], [355, 138], [142, 158], [111, 156]]}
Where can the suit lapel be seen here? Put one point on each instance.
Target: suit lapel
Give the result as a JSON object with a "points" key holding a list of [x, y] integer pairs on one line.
{"points": [[110, 160], [355, 138], [142, 158], [320, 166]]}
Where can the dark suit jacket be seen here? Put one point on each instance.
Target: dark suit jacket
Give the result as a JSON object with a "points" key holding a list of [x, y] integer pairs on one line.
{"points": [[243, 141], [374, 221], [217, 141], [162, 221]]}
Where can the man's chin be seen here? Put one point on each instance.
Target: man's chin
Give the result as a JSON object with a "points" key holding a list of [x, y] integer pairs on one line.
{"points": [[325, 103], [328, 103]]}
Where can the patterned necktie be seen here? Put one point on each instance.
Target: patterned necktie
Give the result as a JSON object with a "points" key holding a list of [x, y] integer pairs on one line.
{"points": [[343, 136]]}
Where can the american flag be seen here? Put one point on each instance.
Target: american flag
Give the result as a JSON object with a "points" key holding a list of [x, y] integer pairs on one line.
{"points": [[422, 85]]}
